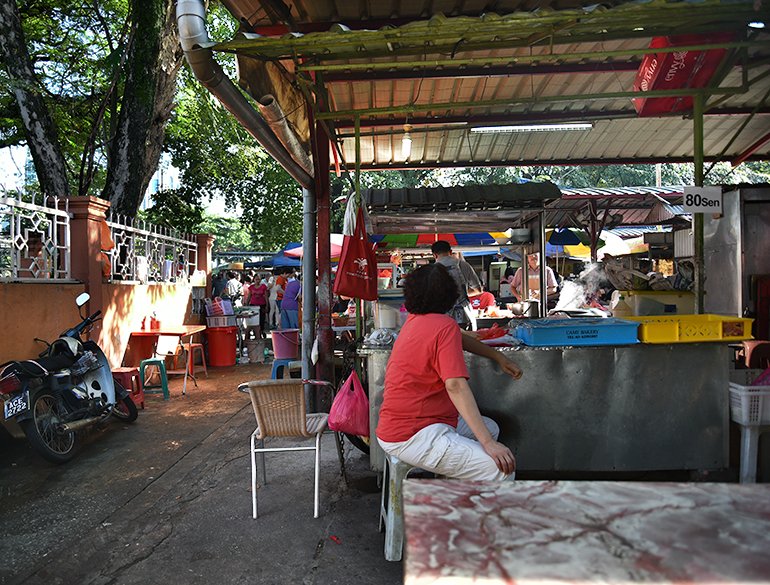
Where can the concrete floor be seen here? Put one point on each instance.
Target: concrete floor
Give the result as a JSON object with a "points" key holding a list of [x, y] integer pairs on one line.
{"points": [[167, 500]]}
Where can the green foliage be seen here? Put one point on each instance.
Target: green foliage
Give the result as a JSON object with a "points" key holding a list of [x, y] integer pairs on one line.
{"points": [[229, 233], [171, 208], [75, 47]]}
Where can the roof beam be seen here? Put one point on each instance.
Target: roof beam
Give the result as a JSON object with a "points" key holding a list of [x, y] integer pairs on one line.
{"points": [[415, 165], [531, 117], [480, 71]]}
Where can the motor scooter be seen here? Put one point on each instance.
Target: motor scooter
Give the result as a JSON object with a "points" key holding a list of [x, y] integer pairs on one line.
{"points": [[67, 389]]}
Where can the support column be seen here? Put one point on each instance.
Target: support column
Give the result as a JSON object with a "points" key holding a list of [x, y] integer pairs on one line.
{"points": [[88, 215], [697, 218], [325, 365], [203, 261]]}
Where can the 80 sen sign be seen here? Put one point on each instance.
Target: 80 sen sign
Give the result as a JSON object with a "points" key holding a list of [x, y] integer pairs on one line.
{"points": [[703, 199]]}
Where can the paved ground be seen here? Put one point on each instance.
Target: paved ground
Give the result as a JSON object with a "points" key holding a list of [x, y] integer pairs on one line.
{"points": [[167, 500]]}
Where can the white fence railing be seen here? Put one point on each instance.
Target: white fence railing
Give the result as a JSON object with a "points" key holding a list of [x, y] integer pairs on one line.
{"points": [[144, 252], [34, 240]]}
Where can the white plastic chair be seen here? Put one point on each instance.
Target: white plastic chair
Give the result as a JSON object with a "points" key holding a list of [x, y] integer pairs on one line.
{"points": [[279, 406]]}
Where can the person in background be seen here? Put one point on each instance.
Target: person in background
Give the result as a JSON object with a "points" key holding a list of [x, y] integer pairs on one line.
{"points": [[246, 290], [483, 300], [274, 316], [233, 289], [532, 291], [465, 278], [258, 298], [282, 281], [218, 284], [429, 417], [290, 304]]}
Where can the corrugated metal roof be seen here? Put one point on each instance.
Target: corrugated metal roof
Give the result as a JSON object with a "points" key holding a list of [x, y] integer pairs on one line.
{"points": [[509, 78]]}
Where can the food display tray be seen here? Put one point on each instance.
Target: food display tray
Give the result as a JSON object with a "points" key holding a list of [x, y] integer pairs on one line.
{"points": [[581, 331]]}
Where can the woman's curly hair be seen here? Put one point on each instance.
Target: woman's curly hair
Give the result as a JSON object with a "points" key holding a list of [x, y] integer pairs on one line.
{"points": [[430, 289]]}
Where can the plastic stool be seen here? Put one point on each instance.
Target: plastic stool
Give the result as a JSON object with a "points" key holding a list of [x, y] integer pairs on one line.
{"points": [[391, 506], [129, 379], [161, 365], [279, 365], [191, 349]]}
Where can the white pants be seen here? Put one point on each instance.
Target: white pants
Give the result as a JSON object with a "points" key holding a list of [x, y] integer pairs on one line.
{"points": [[274, 320], [450, 452]]}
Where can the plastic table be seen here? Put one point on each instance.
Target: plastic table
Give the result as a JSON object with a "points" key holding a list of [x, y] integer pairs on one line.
{"points": [[149, 338]]}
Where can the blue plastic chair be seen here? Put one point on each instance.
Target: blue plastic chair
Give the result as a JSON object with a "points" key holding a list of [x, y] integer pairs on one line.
{"points": [[279, 365]]}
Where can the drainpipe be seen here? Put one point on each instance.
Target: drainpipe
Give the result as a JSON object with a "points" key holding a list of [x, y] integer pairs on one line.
{"points": [[191, 22], [308, 291], [276, 119]]}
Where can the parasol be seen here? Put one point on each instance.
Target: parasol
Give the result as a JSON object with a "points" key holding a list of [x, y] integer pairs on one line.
{"points": [[336, 248]]}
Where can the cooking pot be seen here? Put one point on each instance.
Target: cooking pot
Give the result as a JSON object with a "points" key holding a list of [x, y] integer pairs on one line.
{"points": [[525, 308]]}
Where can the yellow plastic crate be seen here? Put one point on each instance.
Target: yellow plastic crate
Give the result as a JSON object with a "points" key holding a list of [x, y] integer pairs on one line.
{"points": [[692, 328]]}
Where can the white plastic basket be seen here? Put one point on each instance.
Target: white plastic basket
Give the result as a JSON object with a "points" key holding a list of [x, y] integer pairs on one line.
{"points": [[750, 405], [221, 321]]}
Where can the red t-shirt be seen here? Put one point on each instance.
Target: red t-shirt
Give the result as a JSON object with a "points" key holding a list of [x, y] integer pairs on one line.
{"points": [[428, 352], [482, 301]]}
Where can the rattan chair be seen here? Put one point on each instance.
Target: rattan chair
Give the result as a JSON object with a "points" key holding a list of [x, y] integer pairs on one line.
{"points": [[279, 406]]}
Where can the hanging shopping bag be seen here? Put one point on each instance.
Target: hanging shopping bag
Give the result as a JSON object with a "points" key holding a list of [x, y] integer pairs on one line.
{"points": [[350, 410], [357, 270]]}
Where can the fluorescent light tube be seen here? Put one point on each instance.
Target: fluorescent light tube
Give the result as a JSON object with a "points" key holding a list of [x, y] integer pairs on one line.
{"points": [[534, 128]]}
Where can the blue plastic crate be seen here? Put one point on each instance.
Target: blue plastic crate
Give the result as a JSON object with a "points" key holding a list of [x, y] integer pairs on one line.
{"points": [[580, 331]]}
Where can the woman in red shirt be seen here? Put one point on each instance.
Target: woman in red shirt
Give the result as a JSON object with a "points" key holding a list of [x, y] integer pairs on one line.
{"points": [[426, 388]]}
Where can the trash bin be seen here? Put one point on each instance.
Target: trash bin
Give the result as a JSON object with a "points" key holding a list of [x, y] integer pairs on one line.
{"points": [[222, 345]]}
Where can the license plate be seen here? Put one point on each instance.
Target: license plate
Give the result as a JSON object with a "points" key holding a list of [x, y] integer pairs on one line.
{"points": [[17, 405]]}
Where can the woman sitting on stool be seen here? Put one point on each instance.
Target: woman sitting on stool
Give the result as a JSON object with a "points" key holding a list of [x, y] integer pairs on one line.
{"points": [[426, 387]]}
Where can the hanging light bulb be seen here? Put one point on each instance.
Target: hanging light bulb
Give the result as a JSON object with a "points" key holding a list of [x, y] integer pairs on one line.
{"points": [[406, 142]]}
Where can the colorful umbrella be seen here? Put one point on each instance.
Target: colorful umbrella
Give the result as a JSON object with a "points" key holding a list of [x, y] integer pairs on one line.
{"points": [[389, 241], [336, 248]]}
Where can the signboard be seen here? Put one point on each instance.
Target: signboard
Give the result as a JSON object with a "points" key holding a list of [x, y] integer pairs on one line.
{"points": [[703, 199]]}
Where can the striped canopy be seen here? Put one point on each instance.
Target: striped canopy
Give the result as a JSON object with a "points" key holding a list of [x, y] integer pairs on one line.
{"points": [[389, 241]]}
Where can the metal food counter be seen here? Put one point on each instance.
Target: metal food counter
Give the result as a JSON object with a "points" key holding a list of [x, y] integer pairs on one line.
{"points": [[598, 409]]}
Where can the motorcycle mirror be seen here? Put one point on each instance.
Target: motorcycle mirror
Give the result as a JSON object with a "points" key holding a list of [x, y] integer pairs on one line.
{"points": [[82, 299]]}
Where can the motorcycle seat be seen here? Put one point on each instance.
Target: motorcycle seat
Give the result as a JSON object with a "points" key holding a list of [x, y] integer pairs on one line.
{"points": [[39, 367]]}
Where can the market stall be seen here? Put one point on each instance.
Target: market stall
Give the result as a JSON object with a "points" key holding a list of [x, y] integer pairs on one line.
{"points": [[599, 409]]}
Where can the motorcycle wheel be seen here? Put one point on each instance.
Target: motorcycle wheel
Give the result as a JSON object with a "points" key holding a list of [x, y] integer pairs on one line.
{"points": [[42, 430], [125, 410]]}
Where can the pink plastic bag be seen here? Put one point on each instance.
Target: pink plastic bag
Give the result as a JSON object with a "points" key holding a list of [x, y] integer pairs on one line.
{"points": [[350, 410]]}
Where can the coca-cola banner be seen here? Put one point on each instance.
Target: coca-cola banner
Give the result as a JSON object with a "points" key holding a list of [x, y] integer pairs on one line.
{"points": [[677, 70]]}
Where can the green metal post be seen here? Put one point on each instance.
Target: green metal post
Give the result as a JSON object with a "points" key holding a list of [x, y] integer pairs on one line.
{"points": [[697, 220]]}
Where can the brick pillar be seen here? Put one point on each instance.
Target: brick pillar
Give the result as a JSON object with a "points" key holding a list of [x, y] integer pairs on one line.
{"points": [[86, 247], [205, 243]]}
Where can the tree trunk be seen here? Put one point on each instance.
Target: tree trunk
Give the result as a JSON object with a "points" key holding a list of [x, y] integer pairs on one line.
{"points": [[41, 133], [147, 103]]}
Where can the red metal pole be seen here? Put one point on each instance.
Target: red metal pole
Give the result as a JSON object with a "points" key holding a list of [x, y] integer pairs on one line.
{"points": [[320, 145]]}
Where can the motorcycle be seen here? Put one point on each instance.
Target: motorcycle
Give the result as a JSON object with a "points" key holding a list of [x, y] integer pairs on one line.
{"points": [[67, 389]]}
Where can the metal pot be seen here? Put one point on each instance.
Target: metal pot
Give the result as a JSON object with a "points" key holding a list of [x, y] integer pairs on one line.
{"points": [[525, 308]]}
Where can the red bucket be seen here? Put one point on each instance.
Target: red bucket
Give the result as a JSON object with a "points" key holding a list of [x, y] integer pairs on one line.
{"points": [[285, 344], [222, 345]]}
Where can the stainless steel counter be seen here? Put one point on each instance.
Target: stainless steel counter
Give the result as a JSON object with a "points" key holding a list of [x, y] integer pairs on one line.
{"points": [[624, 408]]}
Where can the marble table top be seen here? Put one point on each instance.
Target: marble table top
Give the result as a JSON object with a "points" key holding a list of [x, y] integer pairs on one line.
{"points": [[585, 531]]}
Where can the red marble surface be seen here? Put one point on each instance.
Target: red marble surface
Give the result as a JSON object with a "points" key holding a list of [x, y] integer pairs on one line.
{"points": [[579, 532]]}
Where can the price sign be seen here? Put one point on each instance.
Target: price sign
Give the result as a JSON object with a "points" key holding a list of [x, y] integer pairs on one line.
{"points": [[703, 199]]}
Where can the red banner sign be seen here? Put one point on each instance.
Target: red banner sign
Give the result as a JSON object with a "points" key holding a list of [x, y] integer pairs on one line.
{"points": [[677, 70]]}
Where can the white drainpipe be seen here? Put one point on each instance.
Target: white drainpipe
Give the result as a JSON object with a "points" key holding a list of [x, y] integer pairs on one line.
{"points": [[191, 21]]}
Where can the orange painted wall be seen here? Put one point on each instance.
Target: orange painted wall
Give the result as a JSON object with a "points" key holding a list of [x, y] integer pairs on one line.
{"points": [[34, 310], [44, 310]]}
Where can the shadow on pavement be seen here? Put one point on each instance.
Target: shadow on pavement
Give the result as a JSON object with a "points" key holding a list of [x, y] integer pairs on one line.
{"points": [[167, 500]]}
